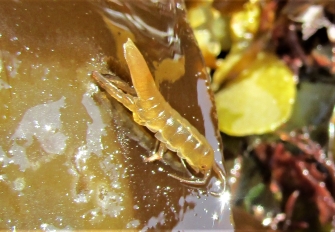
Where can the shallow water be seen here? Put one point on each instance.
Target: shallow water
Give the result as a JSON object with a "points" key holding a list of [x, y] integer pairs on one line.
{"points": [[70, 157]]}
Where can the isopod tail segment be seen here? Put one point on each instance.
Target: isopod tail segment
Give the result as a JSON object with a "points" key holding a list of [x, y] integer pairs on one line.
{"points": [[110, 83]]}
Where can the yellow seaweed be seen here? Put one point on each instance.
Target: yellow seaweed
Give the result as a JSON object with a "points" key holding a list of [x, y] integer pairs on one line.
{"points": [[259, 99]]}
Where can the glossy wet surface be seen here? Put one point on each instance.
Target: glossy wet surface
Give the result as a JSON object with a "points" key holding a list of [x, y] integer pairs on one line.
{"points": [[70, 157]]}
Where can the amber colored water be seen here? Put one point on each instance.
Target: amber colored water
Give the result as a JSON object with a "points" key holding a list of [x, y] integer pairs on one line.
{"points": [[70, 158]]}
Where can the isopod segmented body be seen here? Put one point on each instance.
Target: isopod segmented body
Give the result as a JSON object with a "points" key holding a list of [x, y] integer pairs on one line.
{"points": [[150, 109]]}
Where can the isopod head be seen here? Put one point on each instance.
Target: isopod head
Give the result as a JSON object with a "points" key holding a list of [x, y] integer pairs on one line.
{"points": [[201, 162]]}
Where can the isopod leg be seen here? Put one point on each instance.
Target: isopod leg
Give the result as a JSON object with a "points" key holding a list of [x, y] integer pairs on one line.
{"points": [[158, 153], [115, 90], [185, 167], [199, 181], [117, 81]]}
